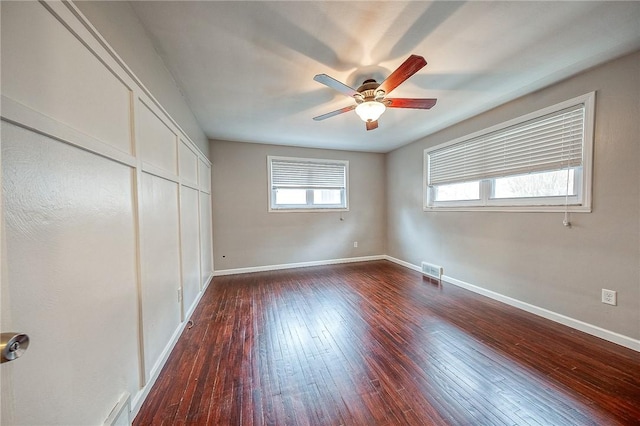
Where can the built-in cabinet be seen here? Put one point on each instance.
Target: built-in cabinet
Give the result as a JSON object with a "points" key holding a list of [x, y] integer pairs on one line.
{"points": [[106, 208]]}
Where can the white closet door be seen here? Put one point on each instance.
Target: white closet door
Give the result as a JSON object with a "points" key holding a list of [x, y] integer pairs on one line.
{"points": [[190, 239], [69, 280], [206, 255], [160, 265]]}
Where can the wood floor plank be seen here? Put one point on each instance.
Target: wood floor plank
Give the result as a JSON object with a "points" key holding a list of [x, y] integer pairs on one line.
{"points": [[374, 343]]}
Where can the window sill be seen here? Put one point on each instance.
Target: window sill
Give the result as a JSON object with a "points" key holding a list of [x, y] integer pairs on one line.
{"points": [[515, 209], [307, 210]]}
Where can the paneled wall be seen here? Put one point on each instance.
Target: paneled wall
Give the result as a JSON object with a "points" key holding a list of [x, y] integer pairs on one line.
{"points": [[106, 205]]}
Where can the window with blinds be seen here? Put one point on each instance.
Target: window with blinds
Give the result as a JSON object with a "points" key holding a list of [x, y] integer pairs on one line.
{"points": [[540, 160], [307, 184]]}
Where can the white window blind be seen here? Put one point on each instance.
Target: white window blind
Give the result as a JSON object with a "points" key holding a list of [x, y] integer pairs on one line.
{"points": [[550, 142], [307, 184], [297, 174]]}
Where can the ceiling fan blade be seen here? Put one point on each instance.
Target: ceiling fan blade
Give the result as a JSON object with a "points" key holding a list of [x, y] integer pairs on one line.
{"points": [[336, 112], [410, 103], [371, 125], [408, 68], [335, 84]]}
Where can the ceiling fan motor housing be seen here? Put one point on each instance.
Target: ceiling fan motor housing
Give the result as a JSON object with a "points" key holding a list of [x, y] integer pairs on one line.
{"points": [[368, 92]]}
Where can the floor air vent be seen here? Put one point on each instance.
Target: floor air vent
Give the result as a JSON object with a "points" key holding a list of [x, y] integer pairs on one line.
{"points": [[431, 270]]}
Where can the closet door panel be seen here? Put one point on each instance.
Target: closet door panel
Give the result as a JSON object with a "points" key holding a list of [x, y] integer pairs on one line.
{"points": [[188, 165], [160, 265], [190, 246], [206, 254], [156, 141], [204, 174]]}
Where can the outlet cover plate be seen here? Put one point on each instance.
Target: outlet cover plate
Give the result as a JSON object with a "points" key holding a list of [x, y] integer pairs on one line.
{"points": [[609, 297]]}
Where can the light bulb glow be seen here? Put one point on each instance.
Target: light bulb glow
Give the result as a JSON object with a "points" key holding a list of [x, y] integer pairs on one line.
{"points": [[370, 110]]}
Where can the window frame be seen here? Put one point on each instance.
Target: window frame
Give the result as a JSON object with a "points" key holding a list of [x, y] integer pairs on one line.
{"points": [[308, 207], [582, 180]]}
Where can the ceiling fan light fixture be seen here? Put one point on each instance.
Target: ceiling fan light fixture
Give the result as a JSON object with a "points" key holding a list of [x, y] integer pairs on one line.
{"points": [[370, 110], [370, 97]]}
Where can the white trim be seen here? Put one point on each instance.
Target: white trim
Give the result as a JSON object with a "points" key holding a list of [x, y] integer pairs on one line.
{"points": [[308, 210], [188, 184], [248, 270], [594, 330], [142, 394], [122, 408], [151, 169], [513, 209], [21, 115], [587, 155], [403, 263], [206, 284], [576, 324]]}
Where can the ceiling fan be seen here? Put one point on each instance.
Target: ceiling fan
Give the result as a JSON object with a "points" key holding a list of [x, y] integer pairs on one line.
{"points": [[370, 96]]}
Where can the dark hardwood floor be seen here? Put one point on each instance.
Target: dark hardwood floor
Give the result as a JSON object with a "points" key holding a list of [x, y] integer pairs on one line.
{"points": [[376, 344]]}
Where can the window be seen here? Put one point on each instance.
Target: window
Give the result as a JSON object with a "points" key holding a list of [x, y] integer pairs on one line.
{"points": [[307, 184], [539, 162]]}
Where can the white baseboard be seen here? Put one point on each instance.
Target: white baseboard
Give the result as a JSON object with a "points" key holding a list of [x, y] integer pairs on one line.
{"points": [[594, 330], [222, 272], [120, 414], [206, 284], [403, 263], [142, 394]]}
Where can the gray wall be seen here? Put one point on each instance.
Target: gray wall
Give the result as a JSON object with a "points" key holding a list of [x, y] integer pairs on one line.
{"points": [[247, 235], [118, 24], [531, 256]]}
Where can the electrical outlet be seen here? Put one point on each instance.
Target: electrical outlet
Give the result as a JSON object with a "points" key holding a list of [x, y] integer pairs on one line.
{"points": [[355, 244], [609, 297]]}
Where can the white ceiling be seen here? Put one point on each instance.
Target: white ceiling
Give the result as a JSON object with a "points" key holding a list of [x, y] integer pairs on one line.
{"points": [[246, 68]]}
